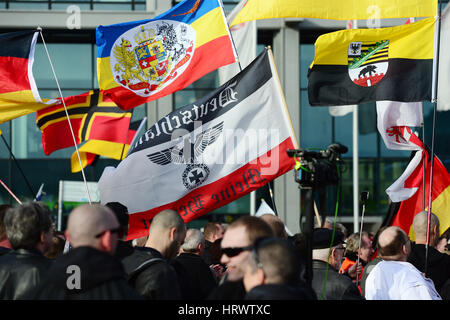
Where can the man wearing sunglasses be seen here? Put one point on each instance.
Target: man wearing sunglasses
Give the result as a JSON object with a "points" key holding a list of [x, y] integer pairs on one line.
{"points": [[236, 247], [89, 271]]}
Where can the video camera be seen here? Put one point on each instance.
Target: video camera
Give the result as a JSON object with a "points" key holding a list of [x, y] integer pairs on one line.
{"points": [[317, 168]]}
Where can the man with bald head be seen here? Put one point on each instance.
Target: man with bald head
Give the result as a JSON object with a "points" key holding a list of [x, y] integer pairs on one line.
{"points": [[148, 267], [89, 271], [438, 264], [394, 278]]}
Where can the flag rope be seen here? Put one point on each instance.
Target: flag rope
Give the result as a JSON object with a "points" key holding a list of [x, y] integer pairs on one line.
{"points": [[67, 115]]}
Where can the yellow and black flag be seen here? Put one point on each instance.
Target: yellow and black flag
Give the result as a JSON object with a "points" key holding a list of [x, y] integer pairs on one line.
{"points": [[363, 65]]}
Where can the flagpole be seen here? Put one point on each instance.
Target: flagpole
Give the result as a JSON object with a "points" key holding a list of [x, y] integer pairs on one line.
{"points": [[17, 164], [10, 192], [437, 34], [136, 135], [67, 115]]}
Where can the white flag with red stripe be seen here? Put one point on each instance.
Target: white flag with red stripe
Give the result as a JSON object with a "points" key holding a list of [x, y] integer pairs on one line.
{"points": [[394, 121], [206, 154]]}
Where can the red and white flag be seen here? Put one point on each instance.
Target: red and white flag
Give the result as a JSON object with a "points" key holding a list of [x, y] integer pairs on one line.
{"points": [[394, 122], [206, 154]]}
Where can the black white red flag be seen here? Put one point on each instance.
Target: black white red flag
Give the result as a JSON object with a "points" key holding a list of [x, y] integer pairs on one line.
{"points": [[206, 154]]}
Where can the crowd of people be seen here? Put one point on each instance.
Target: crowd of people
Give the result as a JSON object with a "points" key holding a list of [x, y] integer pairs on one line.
{"points": [[252, 258]]}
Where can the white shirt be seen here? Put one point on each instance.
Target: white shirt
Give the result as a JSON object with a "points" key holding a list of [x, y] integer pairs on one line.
{"points": [[398, 280]]}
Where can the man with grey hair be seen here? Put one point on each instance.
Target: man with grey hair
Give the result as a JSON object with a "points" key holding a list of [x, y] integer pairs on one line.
{"points": [[438, 264], [29, 230], [148, 267], [195, 275], [89, 271], [394, 278]]}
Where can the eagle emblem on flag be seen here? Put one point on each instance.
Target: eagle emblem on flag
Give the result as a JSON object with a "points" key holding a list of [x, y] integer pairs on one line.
{"points": [[368, 62], [147, 58], [190, 154]]}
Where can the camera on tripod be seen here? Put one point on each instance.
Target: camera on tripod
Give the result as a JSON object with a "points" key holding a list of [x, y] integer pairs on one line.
{"points": [[317, 169]]}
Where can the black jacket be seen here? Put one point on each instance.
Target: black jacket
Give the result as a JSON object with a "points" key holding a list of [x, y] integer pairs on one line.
{"points": [[101, 278], [279, 292], [199, 277], [228, 290], [338, 286], [438, 268], [4, 250], [155, 279], [21, 271]]}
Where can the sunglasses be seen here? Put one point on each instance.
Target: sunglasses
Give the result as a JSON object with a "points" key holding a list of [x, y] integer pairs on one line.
{"points": [[234, 251], [119, 232]]}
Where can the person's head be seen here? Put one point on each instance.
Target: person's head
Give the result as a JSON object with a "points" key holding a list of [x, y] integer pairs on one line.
{"points": [[420, 227], [57, 246], [272, 261], [213, 231], [237, 241], [28, 226], [352, 246], [444, 242], [93, 225], [3, 209], [121, 213], [276, 224], [327, 247], [194, 242], [394, 244], [167, 233]]}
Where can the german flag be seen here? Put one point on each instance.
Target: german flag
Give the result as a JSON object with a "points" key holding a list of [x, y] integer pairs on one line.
{"points": [[363, 65], [18, 92], [92, 116]]}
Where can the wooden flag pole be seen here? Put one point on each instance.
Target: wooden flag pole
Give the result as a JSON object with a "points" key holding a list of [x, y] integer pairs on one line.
{"points": [[67, 115]]}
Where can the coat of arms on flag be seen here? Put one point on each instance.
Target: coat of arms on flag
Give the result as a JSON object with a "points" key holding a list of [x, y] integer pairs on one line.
{"points": [[367, 62], [147, 58], [141, 61]]}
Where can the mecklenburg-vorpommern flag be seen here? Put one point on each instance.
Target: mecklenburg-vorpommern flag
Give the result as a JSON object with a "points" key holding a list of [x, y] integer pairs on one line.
{"points": [[18, 92], [92, 116], [144, 60], [335, 10], [206, 154], [362, 65]]}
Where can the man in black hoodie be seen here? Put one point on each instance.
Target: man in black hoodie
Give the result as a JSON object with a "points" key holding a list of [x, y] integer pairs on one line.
{"points": [[89, 271], [438, 265]]}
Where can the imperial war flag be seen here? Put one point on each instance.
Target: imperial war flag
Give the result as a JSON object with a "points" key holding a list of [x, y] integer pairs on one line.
{"points": [[206, 154]]}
